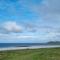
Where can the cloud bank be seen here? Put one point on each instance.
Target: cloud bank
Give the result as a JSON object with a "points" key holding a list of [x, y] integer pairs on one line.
{"points": [[14, 31]]}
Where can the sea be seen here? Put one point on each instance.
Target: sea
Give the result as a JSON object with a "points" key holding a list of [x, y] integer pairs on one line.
{"points": [[3, 45], [7, 45]]}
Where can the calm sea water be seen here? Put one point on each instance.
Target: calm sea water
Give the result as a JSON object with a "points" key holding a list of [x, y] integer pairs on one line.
{"points": [[5, 45], [17, 44]]}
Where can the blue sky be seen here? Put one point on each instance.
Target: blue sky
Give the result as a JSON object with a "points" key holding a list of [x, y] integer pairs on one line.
{"points": [[29, 21]]}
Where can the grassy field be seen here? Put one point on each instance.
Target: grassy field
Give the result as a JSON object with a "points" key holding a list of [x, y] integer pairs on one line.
{"points": [[35, 54]]}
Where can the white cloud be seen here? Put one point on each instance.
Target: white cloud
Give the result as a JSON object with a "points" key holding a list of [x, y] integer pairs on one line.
{"points": [[49, 36], [11, 27], [16, 36], [11, 30]]}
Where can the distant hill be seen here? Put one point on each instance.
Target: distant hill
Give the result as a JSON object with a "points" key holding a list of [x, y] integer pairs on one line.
{"points": [[53, 43]]}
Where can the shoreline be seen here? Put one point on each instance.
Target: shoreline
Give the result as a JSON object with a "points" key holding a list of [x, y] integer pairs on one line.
{"points": [[30, 47]]}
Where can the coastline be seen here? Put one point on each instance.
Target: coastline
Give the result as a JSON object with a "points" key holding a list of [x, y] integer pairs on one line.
{"points": [[30, 47]]}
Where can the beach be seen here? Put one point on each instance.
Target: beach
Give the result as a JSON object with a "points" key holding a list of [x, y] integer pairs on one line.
{"points": [[30, 47]]}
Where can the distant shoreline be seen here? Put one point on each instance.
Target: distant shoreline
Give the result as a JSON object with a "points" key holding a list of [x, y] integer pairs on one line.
{"points": [[30, 47]]}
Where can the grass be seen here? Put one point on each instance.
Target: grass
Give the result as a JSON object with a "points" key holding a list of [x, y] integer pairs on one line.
{"points": [[31, 54]]}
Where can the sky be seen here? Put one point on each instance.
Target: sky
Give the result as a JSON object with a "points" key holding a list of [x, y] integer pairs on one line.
{"points": [[29, 21]]}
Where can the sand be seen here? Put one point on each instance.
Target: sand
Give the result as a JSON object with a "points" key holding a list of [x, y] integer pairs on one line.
{"points": [[31, 47]]}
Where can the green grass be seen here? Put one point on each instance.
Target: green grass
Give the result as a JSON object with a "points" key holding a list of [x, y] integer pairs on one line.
{"points": [[32, 54]]}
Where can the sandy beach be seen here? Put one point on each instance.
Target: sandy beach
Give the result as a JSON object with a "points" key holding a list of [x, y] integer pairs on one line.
{"points": [[31, 47]]}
